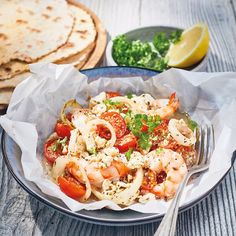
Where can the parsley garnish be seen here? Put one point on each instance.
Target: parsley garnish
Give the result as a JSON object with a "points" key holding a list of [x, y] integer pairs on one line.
{"points": [[153, 122], [59, 142], [129, 95], [111, 103], [192, 124], [162, 42], [143, 54], [159, 150], [144, 141], [137, 122], [128, 154], [93, 151]]}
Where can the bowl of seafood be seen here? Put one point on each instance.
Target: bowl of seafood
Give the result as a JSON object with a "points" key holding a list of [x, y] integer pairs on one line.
{"points": [[110, 151]]}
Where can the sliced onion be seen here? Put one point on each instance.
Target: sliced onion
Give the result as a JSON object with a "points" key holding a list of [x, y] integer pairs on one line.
{"points": [[92, 123], [127, 196], [134, 107], [73, 104], [173, 128]]}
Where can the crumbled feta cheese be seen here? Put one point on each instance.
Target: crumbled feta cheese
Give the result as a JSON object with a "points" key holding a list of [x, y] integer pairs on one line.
{"points": [[100, 142], [146, 198], [152, 161], [121, 157], [141, 103], [76, 143], [99, 108], [136, 160], [147, 98], [104, 158], [111, 151], [97, 99]]}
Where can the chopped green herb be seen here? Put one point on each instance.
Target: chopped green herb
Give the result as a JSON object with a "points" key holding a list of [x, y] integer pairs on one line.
{"points": [[144, 141], [161, 43], [159, 150], [110, 104], [175, 36], [129, 95], [55, 146], [93, 151], [143, 54], [128, 154], [153, 122], [192, 124]]}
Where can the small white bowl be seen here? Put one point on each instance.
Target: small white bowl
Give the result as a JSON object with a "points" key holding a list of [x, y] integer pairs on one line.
{"points": [[146, 34]]}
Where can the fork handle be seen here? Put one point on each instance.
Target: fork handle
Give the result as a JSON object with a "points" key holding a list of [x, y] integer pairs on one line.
{"points": [[168, 223]]}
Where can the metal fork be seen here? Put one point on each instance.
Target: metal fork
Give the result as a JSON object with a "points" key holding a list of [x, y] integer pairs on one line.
{"points": [[204, 151]]}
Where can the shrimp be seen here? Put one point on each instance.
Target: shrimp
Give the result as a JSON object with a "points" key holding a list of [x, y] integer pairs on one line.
{"points": [[165, 108], [170, 168], [113, 172]]}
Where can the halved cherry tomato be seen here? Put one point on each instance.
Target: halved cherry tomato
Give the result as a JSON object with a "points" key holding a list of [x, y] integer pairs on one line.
{"points": [[121, 167], [144, 128], [71, 187], [124, 109], [103, 132], [112, 94], [126, 142], [149, 180], [49, 154], [62, 130], [117, 121]]}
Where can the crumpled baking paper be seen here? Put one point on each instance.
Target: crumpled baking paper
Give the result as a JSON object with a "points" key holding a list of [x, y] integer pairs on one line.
{"points": [[36, 103]]}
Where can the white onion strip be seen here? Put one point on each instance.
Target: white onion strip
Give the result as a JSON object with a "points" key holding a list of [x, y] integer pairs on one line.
{"points": [[92, 123], [127, 196], [173, 128]]}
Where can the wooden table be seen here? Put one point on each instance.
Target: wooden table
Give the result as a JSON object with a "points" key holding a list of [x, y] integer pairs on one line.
{"points": [[21, 214]]}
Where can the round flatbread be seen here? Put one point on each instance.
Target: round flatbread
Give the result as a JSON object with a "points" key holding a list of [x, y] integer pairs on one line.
{"points": [[30, 29], [82, 37]]}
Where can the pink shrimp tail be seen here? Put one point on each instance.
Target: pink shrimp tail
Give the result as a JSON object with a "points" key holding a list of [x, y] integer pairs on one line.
{"points": [[173, 101]]}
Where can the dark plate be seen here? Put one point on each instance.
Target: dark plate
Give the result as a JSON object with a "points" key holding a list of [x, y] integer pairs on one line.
{"points": [[11, 154]]}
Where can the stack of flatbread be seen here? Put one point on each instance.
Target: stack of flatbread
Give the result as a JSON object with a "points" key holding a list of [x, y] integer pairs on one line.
{"points": [[41, 31]]}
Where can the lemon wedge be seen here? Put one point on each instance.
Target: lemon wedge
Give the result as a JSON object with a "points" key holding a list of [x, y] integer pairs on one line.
{"points": [[191, 48]]}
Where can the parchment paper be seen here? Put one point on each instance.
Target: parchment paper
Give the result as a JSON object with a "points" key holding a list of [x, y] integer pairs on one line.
{"points": [[36, 103]]}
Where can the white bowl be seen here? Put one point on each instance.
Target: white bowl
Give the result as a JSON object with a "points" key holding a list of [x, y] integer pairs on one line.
{"points": [[146, 34]]}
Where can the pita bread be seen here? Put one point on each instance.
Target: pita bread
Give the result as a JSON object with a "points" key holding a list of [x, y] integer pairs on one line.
{"points": [[30, 29], [5, 96], [77, 60], [82, 37]]}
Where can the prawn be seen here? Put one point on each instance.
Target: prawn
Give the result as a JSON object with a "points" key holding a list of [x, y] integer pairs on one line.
{"points": [[113, 172], [165, 107], [170, 168]]}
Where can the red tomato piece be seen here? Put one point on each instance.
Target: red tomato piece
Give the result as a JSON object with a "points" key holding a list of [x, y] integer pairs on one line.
{"points": [[49, 153], [62, 130], [126, 142], [112, 94], [117, 121], [103, 132], [144, 128], [71, 187]]}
